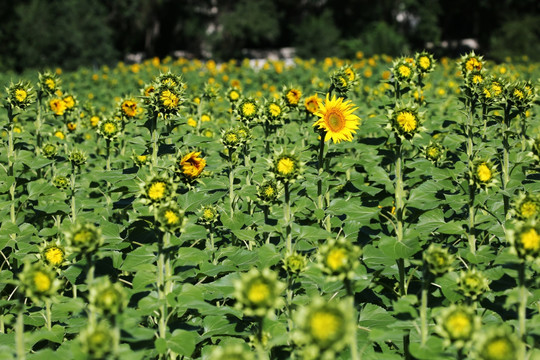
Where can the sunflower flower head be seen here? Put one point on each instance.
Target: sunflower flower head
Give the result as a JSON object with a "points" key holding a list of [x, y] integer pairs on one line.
{"points": [[210, 91], [406, 121], [170, 218], [274, 112], [324, 328], [258, 292], [520, 94], [84, 238], [311, 104], [20, 95], [107, 298], [53, 254], [158, 189], [337, 119], [231, 139], [166, 96], [525, 238], [526, 206], [339, 258], [97, 341], [247, 110], [483, 174], [58, 106], [470, 62], [77, 157], [38, 282], [268, 192], [438, 259], [425, 63], [233, 95], [457, 324], [435, 152], [472, 283], [61, 182], [343, 80], [109, 128], [291, 96], [191, 165], [498, 343], [129, 109], [140, 160], [295, 263], [49, 150], [403, 71], [48, 83], [286, 167], [208, 215]]}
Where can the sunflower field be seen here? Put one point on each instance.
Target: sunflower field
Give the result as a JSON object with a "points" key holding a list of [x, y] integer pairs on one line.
{"points": [[373, 208]]}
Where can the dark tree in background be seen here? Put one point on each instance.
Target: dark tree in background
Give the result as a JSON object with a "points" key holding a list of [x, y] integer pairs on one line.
{"points": [[70, 33]]}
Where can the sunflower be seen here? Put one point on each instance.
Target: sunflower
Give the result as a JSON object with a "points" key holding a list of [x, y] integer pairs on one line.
{"points": [[526, 239], [292, 96], [457, 324], [311, 104], [106, 297], [438, 259], [84, 238], [58, 106], [337, 119], [259, 292], [129, 108], [192, 165], [170, 218], [38, 281]]}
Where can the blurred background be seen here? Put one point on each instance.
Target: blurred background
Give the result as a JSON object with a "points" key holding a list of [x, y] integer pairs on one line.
{"points": [[72, 33]]}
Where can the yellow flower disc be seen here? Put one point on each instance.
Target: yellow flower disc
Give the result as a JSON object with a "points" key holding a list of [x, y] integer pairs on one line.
{"points": [[336, 258], [499, 348], [484, 173], [528, 209], [458, 325], [54, 256], [42, 281], [169, 99], [324, 326], [530, 240], [192, 165], [274, 110], [21, 95], [293, 96], [129, 108], [407, 121], [171, 217], [248, 109], [157, 190], [424, 62], [285, 166], [404, 71], [258, 292]]}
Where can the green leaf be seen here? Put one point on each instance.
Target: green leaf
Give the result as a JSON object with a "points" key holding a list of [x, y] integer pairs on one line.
{"points": [[183, 342]]}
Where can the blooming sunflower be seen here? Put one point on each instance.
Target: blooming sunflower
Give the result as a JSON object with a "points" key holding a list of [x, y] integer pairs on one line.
{"points": [[292, 96], [337, 119], [483, 173], [311, 104], [58, 106], [192, 165], [53, 254], [424, 62], [286, 167], [129, 108], [247, 110]]}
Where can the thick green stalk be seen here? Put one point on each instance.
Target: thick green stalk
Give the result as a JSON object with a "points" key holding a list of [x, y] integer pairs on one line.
{"points": [[522, 301], [48, 314], [38, 124], [11, 165], [73, 207], [162, 324], [155, 139], [472, 190], [352, 309], [287, 218], [505, 160], [424, 307], [19, 334], [108, 147]]}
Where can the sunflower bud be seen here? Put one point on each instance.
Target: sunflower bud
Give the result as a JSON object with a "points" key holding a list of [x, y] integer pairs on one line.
{"points": [[438, 260], [170, 218], [77, 157], [259, 292], [291, 96], [38, 282], [97, 341], [84, 238], [107, 298], [20, 95], [472, 283], [457, 324], [498, 343], [208, 215], [49, 151], [295, 263]]}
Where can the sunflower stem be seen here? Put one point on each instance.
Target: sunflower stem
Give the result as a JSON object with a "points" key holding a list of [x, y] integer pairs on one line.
{"points": [[38, 124], [231, 186], [48, 314], [162, 324], [470, 160], [350, 295], [19, 333], [259, 342], [424, 306], [471, 234], [155, 139], [108, 148], [11, 165], [505, 160], [522, 310], [72, 200], [287, 217]]}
